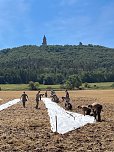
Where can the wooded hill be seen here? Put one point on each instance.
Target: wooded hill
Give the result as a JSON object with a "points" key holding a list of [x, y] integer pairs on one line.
{"points": [[54, 64]]}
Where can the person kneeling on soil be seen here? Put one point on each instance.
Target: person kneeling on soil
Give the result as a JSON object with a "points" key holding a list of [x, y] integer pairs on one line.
{"points": [[52, 93], [55, 98], [24, 98], [86, 110], [68, 106], [96, 108]]}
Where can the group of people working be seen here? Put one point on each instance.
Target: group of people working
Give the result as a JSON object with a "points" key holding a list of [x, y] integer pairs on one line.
{"points": [[24, 98], [68, 106], [93, 109]]}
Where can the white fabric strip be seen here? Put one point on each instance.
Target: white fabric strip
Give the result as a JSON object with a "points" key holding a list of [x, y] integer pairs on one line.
{"points": [[61, 121], [8, 104], [66, 120]]}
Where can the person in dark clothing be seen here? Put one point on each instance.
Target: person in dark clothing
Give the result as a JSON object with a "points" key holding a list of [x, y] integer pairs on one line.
{"points": [[52, 92], [68, 106], [54, 96], [86, 110], [41, 95], [96, 108], [24, 98], [67, 96], [46, 94], [37, 99]]}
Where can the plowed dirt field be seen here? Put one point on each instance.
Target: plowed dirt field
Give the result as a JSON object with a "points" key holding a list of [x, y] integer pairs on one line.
{"points": [[28, 129]]}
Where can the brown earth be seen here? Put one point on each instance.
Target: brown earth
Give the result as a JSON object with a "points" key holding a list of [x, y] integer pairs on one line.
{"points": [[28, 129]]}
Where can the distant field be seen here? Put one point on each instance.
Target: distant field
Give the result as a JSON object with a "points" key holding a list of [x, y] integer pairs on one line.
{"points": [[13, 87], [49, 86], [101, 85], [19, 87]]}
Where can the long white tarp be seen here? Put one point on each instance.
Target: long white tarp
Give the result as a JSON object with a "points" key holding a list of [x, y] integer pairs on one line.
{"points": [[8, 104], [63, 121]]}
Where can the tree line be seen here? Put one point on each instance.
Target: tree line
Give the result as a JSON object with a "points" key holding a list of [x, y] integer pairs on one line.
{"points": [[56, 64]]}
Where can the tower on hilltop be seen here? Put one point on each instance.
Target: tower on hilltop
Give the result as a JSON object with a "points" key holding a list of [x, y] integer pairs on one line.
{"points": [[44, 41]]}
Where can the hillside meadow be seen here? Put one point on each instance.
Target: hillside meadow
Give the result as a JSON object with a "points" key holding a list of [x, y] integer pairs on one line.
{"points": [[19, 87], [29, 129]]}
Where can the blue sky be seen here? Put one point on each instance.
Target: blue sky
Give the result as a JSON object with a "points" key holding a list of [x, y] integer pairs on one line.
{"points": [[24, 22]]}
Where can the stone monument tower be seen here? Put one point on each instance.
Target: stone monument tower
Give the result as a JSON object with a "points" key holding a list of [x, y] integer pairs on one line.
{"points": [[44, 41]]}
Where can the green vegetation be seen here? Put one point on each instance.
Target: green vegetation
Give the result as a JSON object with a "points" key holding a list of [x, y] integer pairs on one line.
{"points": [[34, 85], [13, 87], [18, 87], [51, 65], [101, 85], [73, 82]]}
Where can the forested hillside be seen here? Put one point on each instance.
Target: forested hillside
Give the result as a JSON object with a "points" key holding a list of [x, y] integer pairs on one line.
{"points": [[54, 64]]}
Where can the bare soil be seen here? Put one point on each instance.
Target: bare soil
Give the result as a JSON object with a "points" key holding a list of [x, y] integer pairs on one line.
{"points": [[28, 129]]}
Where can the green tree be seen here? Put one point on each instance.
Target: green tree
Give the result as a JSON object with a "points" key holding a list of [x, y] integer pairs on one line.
{"points": [[73, 82], [112, 85], [31, 85], [53, 64], [36, 85], [86, 85], [48, 79]]}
